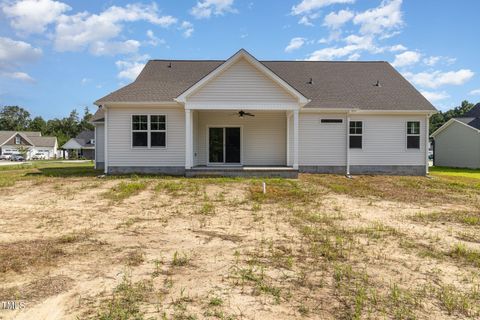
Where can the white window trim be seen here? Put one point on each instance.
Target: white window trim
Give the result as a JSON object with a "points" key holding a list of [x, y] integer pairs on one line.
{"points": [[355, 134], [148, 131], [18, 140], [419, 135]]}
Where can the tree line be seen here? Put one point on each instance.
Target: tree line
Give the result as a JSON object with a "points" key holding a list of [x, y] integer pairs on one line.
{"points": [[438, 119], [15, 118]]}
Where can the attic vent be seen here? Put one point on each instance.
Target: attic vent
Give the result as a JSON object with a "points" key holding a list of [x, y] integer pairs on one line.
{"points": [[170, 65], [377, 84], [310, 81]]}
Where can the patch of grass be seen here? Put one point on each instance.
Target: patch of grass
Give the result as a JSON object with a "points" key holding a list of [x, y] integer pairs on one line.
{"points": [[280, 191], [38, 289], [178, 187], [134, 258], [471, 218], [180, 260], [207, 209], [256, 276], [457, 302], [215, 302], [126, 301], [461, 252], [455, 172], [124, 190], [21, 255]]}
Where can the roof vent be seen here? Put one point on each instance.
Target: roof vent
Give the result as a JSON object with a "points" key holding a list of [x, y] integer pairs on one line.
{"points": [[377, 84], [170, 65], [310, 81]]}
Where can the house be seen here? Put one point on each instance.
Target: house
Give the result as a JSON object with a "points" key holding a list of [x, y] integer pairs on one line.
{"points": [[457, 142], [248, 117], [83, 145], [29, 143]]}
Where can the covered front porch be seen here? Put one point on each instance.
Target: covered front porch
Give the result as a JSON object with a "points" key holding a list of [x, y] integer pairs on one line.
{"points": [[241, 143]]}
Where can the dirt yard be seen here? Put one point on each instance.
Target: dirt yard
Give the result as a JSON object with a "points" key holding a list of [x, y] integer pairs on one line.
{"points": [[74, 246]]}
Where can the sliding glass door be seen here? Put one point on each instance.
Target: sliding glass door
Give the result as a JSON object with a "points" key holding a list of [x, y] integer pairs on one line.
{"points": [[224, 145]]}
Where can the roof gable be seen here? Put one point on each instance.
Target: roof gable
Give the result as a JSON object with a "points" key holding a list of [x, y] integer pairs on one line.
{"points": [[72, 144], [253, 66], [449, 123]]}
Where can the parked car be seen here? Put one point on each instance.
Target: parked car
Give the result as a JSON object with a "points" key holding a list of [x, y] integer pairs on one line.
{"points": [[38, 156], [17, 157], [5, 156]]}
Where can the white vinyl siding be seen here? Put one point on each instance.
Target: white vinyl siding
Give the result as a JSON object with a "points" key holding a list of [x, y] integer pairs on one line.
{"points": [[100, 142], [457, 146], [242, 86], [120, 151], [263, 136], [321, 144], [384, 141]]}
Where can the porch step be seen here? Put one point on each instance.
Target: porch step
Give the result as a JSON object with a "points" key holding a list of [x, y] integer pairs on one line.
{"points": [[250, 172]]}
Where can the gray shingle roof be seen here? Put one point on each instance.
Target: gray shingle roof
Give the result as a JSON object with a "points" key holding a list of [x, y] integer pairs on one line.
{"points": [[99, 115], [43, 141], [335, 84], [472, 117], [5, 135], [84, 137]]}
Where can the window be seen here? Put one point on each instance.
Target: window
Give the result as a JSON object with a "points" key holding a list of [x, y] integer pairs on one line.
{"points": [[413, 135], [331, 120], [355, 134], [157, 131], [140, 131], [149, 131], [17, 140], [92, 141]]}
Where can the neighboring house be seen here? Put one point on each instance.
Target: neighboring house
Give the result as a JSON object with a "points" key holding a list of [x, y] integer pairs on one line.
{"points": [[457, 142], [28, 143], [83, 145], [250, 117]]}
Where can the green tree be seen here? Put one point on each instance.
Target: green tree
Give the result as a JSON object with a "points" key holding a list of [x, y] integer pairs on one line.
{"points": [[38, 124], [438, 119], [85, 123], [14, 118]]}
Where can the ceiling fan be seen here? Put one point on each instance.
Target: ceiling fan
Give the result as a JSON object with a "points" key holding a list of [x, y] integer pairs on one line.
{"points": [[242, 114]]}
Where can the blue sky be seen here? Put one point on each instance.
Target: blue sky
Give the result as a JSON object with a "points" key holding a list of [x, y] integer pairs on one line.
{"points": [[60, 55]]}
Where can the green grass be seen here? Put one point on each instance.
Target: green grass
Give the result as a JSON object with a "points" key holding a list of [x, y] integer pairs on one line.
{"points": [[124, 190], [455, 172]]}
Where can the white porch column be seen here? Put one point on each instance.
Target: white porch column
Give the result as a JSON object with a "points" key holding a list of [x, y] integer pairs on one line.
{"points": [[188, 139], [295, 139], [347, 143], [289, 157], [427, 143]]}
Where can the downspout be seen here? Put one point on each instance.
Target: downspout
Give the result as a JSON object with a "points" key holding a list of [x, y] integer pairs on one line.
{"points": [[347, 125], [427, 140], [106, 141]]}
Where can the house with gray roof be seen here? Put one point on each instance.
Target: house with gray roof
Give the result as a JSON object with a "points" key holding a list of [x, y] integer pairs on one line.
{"points": [[83, 145], [242, 116], [30, 143], [457, 142]]}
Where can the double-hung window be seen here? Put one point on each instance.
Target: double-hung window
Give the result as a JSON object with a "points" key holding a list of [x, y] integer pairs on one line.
{"points": [[158, 133], [355, 134], [149, 131], [413, 135], [18, 140]]}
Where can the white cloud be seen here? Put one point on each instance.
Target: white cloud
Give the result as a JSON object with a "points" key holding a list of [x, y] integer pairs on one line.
{"points": [[381, 20], [398, 47], [307, 6], [295, 43], [475, 92], [187, 28], [406, 58], [205, 8], [355, 45], [131, 68], [17, 52], [435, 96], [84, 81], [32, 16], [153, 40], [433, 60], [305, 21], [336, 20], [85, 30], [437, 78], [22, 76], [100, 48]]}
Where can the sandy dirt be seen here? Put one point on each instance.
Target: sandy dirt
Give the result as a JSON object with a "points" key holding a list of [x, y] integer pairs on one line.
{"points": [[94, 243]]}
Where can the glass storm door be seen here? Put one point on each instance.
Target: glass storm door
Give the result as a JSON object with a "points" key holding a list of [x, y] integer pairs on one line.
{"points": [[224, 145]]}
